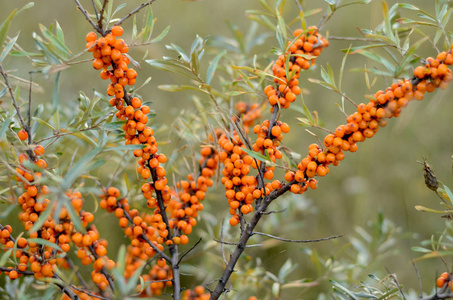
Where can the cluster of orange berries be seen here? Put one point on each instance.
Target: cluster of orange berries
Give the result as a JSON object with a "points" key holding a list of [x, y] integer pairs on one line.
{"points": [[93, 250], [160, 271], [240, 187], [198, 293], [185, 206], [38, 258], [142, 229], [249, 112], [302, 53], [444, 278], [365, 122], [110, 51], [42, 259]]}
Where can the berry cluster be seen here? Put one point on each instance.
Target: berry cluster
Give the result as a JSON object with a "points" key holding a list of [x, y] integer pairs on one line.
{"points": [[241, 188], [301, 53], [444, 278], [198, 293], [365, 122]]}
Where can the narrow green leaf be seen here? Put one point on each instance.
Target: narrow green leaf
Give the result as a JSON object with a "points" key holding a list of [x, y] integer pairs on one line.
{"points": [[236, 93], [179, 88], [124, 147], [342, 289], [5, 126], [5, 257], [79, 168], [54, 40], [179, 50], [161, 36], [111, 126], [149, 25], [43, 122], [8, 48], [4, 27], [259, 157], [45, 243], [449, 193], [56, 93], [213, 67], [421, 249], [73, 215]]}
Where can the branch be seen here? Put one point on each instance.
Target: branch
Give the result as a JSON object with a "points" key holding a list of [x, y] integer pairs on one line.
{"points": [[101, 17], [299, 241], [188, 251], [236, 244], [5, 76], [85, 13], [134, 11]]}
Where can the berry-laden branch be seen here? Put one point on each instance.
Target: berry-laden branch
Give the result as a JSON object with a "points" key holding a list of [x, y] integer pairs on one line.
{"points": [[362, 124]]}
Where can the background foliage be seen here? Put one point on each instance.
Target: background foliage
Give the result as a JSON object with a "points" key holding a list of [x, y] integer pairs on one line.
{"points": [[381, 179]]}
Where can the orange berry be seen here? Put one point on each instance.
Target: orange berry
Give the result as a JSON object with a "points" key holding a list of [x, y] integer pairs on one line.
{"points": [[39, 150], [13, 275], [23, 134], [91, 37], [117, 31]]}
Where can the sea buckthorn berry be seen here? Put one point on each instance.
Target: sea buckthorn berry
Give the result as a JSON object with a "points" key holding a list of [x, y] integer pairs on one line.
{"points": [[39, 150], [91, 37], [117, 31], [98, 63], [23, 134]]}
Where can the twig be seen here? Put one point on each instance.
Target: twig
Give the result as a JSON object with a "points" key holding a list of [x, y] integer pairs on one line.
{"points": [[298, 241], [299, 6], [419, 280], [222, 249], [5, 76], [236, 244], [396, 282], [59, 134], [85, 13], [95, 10], [101, 17], [134, 11], [79, 276], [188, 251], [274, 211]]}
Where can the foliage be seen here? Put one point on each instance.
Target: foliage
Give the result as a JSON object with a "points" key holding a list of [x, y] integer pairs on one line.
{"points": [[66, 167]]}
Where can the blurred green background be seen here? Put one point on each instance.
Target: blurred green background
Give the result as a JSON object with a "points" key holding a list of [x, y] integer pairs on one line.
{"points": [[382, 176]]}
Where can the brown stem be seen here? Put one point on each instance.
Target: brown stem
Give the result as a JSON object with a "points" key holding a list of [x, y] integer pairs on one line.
{"points": [[247, 233]]}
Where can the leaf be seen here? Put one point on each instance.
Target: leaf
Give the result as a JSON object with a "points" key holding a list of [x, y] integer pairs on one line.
{"points": [[425, 209], [236, 93], [124, 147], [341, 288], [111, 126], [259, 157], [149, 25], [161, 36], [286, 269], [5, 126], [421, 249], [56, 93], [449, 193], [79, 168], [178, 88], [41, 121], [179, 50], [213, 66], [54, 40], [45, 243], [8, 48], [4, 28]]}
